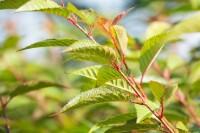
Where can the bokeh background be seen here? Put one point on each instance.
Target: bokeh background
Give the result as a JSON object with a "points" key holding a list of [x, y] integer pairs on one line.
{"points": [[30, 113]]}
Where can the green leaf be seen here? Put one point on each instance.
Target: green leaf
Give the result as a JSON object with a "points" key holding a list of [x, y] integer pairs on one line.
{"points": [[94, 54], [157, 89], [162, 92], [107, 73], [170, 90], [150, 50], [186, 26], [10, 42], [181, 126], [90, 51], [118, 119], [62, 42], [31, 86], [121, 37], [11, 4], [194, 72], [81, 44], [195, 4], [131, 126], [120, 83], [143, 112], [175, 115], [88, 16], [95, 96], [115, 120], [93, 71], [88, 84], [89, 72], [47, 6], [195, 88], [153, 45], [156, 28]]}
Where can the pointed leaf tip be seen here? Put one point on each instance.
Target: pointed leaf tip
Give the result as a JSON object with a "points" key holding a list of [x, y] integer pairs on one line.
{"points": [[120, 16], [97, 96], [104, 25], [88, 16], [60, 42], [47, 6], [150, 50]]}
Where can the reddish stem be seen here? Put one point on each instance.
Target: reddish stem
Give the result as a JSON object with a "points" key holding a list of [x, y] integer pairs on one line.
{"points": [[62, 3], [143, 98], [179, 95], [115, 66], [163, 120], [127, 68], [162, 108], [116, 46], [74, 22], [3, 105], [139, 87]]}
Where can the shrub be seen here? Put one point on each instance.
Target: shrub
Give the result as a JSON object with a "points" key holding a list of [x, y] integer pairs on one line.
{"points": [[115, 73]]}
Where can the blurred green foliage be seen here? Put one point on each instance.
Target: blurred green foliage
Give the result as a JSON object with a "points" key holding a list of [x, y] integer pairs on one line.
{"points": [[29, 113]]}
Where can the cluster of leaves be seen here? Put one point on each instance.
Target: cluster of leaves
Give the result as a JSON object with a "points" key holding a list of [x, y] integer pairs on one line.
{"points": [[113, 80]]}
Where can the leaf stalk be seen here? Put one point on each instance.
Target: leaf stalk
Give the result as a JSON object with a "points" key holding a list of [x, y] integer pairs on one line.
{"points": [[162, 119], [74, 22]]}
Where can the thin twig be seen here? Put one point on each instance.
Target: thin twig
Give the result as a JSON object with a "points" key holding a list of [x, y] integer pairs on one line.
{"points": [[142, 78], [162, 107], [89, 35], [179, 95], [78, 26], [138, 86], [3, 105], [120, 53], [165, 75], [135, 102], [163, 120], [126, 66], [62, 3]]}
